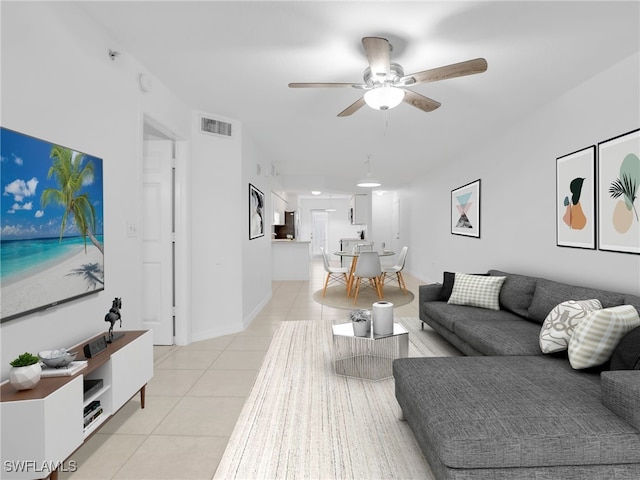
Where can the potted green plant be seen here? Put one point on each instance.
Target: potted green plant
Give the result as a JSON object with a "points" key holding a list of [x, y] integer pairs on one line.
{"points": [[25, 371], [361, 320]]}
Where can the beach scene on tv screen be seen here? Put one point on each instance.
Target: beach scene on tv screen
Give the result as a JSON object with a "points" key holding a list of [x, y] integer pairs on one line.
{"points": [[51, 236]]}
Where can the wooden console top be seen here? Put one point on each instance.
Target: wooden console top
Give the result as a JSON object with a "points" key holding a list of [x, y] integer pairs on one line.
{"points": [[46, 386]]}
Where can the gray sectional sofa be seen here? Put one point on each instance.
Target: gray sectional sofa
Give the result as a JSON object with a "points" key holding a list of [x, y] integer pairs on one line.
{"points": [[505, 410]]}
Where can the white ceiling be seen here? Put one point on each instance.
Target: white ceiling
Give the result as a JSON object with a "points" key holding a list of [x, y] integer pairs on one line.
{"points": [[235, 59]]}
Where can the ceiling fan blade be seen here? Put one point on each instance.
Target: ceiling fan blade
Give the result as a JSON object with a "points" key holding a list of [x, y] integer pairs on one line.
{"points": [[353, 108], [470, 67], [322, 85], [420, 101], [378, 53]]}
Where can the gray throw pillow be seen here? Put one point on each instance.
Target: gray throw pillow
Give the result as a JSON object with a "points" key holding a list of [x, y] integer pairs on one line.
{"points": [[626, 356]]}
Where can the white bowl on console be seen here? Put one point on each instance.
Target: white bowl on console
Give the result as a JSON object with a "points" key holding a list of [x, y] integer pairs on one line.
{"points": [[57, 358]]}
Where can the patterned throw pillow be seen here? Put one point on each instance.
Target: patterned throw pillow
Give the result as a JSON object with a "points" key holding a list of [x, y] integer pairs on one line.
{"points": [[476, 291], [596, 337], [561, 321]]}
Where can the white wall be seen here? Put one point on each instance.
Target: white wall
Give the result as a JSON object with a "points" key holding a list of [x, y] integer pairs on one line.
{"points": [[59, 84], [216, 223], [517, 170], [256, 258]]}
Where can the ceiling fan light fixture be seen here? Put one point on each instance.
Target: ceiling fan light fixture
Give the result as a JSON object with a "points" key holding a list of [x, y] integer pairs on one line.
{"points": [[384, 97]]}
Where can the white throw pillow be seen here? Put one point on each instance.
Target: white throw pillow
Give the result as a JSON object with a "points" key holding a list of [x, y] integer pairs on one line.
{"points": [[596, 337], [476, 291], [561, 322]]}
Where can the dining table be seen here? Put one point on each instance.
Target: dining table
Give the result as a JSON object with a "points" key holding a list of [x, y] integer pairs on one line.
{"points": [[354, 260]]}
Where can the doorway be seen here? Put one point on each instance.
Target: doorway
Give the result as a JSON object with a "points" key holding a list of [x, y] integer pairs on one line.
{"points": [[319, 227], [395, 224], [158, 233]]}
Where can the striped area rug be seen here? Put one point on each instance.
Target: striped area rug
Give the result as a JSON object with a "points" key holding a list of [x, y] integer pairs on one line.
{"points": [[303, 421]]}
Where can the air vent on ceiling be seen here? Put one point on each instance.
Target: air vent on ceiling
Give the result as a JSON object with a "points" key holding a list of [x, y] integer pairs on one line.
{"points": [[215, 127]]}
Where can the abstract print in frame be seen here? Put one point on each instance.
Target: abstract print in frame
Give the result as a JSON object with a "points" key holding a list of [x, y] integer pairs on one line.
{"points": [[256, 213], [575, 199], [618, 191], [465, 210]]}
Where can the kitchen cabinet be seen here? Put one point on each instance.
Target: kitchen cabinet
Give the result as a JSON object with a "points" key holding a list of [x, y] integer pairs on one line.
{"points": [[278, 204], [359, 209]]}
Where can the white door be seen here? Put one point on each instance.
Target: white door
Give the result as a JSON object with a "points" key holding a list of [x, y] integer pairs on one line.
{"points": [[319, 221], [157, 240]]}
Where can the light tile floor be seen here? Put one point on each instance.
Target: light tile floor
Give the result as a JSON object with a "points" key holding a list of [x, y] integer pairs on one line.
{"points": [[197, 393]]}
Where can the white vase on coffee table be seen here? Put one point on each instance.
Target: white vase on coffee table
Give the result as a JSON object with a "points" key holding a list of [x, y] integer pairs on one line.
{"points": [[382, 318]]}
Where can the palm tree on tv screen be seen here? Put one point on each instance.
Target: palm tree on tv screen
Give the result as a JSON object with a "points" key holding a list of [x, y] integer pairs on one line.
{"points": [[70, 171]]}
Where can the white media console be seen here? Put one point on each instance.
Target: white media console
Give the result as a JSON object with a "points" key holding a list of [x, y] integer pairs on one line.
{"points": [[42, 427]]}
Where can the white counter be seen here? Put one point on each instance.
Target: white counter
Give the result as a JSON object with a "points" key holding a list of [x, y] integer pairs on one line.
{"points": [[290, 259]]}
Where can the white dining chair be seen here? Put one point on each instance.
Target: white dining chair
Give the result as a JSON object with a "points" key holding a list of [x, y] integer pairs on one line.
{"points": [[335, 274], [397, 270], [368, 266]]}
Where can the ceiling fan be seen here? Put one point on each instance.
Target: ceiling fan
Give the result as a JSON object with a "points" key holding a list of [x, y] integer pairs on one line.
{"points": [[386, 84]]}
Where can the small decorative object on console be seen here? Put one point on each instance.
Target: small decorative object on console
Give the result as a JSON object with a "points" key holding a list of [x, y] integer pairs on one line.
{"points": [[94, 347], [113, 316], [58, 358]]}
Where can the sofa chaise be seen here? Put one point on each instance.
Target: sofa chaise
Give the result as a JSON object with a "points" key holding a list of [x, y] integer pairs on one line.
{"points": [[508, 411]]}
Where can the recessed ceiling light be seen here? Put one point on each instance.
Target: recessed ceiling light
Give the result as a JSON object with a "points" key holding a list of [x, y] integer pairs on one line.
{"points": [[315, 192]]}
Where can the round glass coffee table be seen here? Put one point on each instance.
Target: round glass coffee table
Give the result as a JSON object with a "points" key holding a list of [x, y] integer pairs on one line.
{"points": [[371, 357]]}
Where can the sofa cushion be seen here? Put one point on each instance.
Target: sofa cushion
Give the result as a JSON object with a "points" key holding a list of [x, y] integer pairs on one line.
{"points": [[517, 292], [501, 412], [561, 322], [548, 294], [476, 291], [499, 333], [626, 356], [445, 314], [621, 394], [596, 337]]}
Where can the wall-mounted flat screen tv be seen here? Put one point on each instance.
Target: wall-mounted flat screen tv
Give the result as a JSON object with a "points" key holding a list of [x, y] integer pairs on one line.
{"points": [[51, 232]]}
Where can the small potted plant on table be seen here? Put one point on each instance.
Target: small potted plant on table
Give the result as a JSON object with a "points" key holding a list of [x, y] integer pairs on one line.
{"points": [[25, 371], [361, 321]]}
